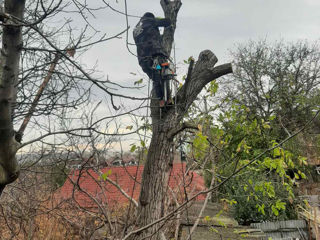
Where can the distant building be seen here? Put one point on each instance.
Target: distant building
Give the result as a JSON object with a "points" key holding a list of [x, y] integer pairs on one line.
{"points": [[88, 187], [125, 159]]}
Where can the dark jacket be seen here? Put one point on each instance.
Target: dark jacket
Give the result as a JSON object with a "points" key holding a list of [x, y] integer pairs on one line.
{"points": [[147, 37]]}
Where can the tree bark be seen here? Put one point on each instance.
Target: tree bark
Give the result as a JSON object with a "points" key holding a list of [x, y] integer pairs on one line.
{"points": [[11, 48], [159, 162]]}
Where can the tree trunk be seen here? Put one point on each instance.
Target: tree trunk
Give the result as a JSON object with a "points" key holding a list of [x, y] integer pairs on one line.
{"points": [[11, 48], [159, 162], [155, 180]]}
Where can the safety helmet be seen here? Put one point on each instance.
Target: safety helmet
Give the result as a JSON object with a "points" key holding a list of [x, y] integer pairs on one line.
{"points": [[148, 15]]}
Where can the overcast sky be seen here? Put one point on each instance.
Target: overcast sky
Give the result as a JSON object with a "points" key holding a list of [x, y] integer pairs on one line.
{"points": [[206, 24], [217, 25]]}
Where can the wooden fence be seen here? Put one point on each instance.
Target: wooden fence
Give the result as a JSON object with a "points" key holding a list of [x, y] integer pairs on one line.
{"points": [[284, 230]]}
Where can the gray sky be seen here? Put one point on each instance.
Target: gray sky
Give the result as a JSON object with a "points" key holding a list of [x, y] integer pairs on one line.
{"points": [[207, 24], [217, 25]]}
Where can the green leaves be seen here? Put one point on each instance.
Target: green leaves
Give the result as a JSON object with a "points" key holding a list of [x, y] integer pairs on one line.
{"points": [[260, 188], [189, 60], [200, 145], [105, 175], [213, 88], [243, 146], [261, 208], [278, 206], [303, 160], [263, 190], [129, 127], [230, 202], [266, 188], [138, 82], [133, 148]]}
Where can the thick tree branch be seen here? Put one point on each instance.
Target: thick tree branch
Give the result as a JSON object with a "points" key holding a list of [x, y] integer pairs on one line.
{"points": [[173, 132], [38, 96], [170, 9], [190, 69], [203, 73]]}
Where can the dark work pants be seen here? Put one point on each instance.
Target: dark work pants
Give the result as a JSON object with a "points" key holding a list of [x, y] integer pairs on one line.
{"points": [[153, 74]]}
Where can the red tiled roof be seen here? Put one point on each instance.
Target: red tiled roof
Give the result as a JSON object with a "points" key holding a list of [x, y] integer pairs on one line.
{"points": [[96, 190]]}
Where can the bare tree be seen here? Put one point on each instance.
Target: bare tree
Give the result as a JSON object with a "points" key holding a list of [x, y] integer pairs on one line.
{"points": [[11, 48], [279, 79], [40, 77]]}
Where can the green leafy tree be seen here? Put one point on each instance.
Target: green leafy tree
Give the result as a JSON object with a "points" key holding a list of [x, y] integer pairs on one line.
{"points": [[265, 189]]}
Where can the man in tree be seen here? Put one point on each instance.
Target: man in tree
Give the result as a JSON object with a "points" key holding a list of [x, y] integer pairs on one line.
{"points": [[150, 50]]}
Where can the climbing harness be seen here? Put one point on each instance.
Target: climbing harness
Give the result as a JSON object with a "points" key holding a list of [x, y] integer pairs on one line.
{"points": [[167, 76], [169, 83]]}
